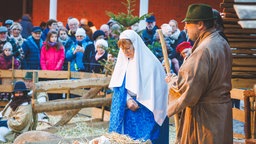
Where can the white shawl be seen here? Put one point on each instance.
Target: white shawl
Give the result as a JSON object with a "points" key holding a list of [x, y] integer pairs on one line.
{"points": [[149, 76]]}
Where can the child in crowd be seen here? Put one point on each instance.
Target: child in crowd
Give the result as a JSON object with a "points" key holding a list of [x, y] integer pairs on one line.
{"points": [[184, 49], [52, 53], [6, 63]]}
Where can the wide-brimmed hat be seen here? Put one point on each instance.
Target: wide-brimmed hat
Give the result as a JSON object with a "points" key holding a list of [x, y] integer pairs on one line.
{"points": [[20, 86], [198, 12]]}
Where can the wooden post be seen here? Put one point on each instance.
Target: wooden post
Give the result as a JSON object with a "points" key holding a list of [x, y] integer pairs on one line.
{"points": [[69, 76], [34, 99], [167, 67], [13, 72]]}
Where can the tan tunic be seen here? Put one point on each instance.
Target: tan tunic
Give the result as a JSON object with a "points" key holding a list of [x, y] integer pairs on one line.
{"points": [[204, 84], [19, 121]]}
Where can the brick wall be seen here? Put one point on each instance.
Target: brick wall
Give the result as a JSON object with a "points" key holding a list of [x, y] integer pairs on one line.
{"points": [[95, 10]]}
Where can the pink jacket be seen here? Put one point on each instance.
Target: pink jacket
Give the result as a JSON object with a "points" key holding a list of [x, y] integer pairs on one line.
{"points": [[52, 59]]}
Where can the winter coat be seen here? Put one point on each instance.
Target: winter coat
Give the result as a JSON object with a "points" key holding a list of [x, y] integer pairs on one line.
{"points": [[19, 121], [95, 65], [203, 85], [27, 26], [44, 33], [6, 63], [32, 53], [88, 54], [77, 58], [147, 36], [52, 59], [67, 45]]}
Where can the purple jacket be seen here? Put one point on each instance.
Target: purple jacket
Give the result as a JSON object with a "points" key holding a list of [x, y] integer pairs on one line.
{"points": [[6, 63]]}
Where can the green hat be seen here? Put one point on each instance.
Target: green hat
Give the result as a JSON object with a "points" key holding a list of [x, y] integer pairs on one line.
{"points": [[199, 12], [28, 76]]}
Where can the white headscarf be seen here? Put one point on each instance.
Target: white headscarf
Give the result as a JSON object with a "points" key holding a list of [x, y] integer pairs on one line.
{"points": [[148, 74]]}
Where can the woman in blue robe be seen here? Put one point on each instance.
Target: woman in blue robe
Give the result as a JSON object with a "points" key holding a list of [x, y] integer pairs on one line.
{"points": [[139, 101]]}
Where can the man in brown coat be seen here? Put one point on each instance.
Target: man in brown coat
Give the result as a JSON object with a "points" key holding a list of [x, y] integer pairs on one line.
{"points": [[203, 83]]}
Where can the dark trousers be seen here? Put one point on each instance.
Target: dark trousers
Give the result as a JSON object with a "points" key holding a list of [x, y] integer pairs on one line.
{"points": [[3, 123], [236, 103]]}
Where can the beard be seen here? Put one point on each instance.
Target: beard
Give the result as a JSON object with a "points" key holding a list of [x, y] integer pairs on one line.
{"points": [[18, 100]]}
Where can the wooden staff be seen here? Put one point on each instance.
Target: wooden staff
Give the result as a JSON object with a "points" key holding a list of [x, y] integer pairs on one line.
{"points": [[167, 67]]}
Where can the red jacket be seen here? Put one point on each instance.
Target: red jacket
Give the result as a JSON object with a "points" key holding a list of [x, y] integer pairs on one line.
{"points": [[52, 59]]}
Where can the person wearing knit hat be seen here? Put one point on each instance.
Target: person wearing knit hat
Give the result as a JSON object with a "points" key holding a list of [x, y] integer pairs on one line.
{"points": [[101, 55], [184, 49], [98, 34], [8, 24], [16, 29], [101, 43], [80, 32], [76, 53], [6, 58], [8, 46]]}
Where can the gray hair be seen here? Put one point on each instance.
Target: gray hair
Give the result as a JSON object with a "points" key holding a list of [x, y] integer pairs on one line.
{"points": [[73, 20]]}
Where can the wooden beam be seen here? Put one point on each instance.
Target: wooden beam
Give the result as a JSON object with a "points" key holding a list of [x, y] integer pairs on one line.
{"points": [[228, 1], [53, 74], [226, 5], [236, 93], [86, 75], [230, 15], [250, 45], [229, 10], [238, 115], [71, 104], [239, 31], [243, 69], [49, 74], [243, 83], [244, 51], [229, 26], [236, 1], [230, 5], [244, 62], [6, 88], [70, 113], [245, 75], [243, 36], [72, 84], [240, 40]]}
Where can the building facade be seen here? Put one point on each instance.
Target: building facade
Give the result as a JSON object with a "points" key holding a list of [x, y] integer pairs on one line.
{"points": [[95, 10]]}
